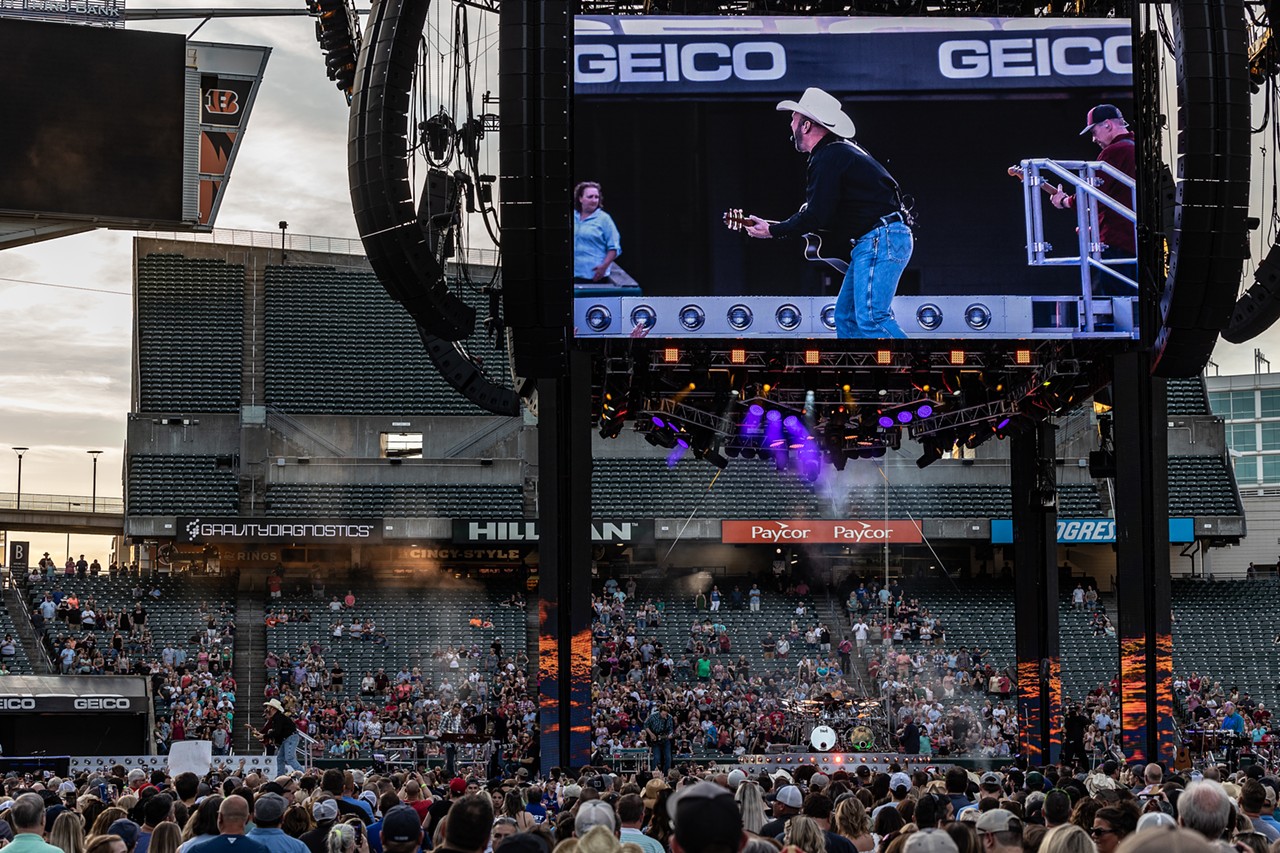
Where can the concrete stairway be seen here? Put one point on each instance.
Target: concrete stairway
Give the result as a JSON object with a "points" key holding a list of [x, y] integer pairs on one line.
{"points": [[251, 650]]}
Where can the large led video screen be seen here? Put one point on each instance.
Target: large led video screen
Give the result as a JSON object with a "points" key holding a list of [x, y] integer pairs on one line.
{"points": [[840, 177], [93, 122]]}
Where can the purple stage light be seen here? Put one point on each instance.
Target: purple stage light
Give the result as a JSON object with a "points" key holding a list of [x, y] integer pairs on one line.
{"points": [[755, 410], [658, 422], [904, 417], [791, 422], [751, 423], [886, 422], [1004, 423], [924, 410], [774, 416]]}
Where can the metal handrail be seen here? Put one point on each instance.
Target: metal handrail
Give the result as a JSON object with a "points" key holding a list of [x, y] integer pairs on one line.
{"points": [[1083, 176], [62, 503]]}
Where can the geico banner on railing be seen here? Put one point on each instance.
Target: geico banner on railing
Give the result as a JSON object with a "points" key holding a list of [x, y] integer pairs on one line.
{"points": [[683, 55], [810, 532]]}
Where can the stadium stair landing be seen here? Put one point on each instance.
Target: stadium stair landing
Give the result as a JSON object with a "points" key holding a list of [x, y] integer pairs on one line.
{"points": [[251, 651]]}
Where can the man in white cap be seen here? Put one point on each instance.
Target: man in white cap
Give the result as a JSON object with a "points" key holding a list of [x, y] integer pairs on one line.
{"points": [[850, 199], [999, 830], [281, 731]]}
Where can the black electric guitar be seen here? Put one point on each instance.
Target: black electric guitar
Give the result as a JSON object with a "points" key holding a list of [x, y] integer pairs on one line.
{"points": [[736, 220]]}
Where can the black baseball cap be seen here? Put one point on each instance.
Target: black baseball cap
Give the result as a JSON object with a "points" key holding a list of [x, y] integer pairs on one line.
{"points": [[1101, 113]]}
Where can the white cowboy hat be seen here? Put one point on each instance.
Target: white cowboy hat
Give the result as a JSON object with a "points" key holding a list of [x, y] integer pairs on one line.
{"points": [[274, 703], [823, 108]]}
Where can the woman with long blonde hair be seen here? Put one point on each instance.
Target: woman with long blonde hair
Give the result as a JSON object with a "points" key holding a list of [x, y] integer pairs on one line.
{"points": [[103, 821], [851, 821], [1067, 838], [166, 838], [68, 833], [751, 805], [804, 833]]}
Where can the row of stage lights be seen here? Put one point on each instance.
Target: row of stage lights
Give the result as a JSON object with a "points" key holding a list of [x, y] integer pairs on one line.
{"points": [[813, 357], [786, 318]]}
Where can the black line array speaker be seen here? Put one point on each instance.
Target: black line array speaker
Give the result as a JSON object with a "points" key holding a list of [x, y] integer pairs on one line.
{"points": [[1259, 306], [395, 239], [536, 183], [378, 172], [1210, 235]]}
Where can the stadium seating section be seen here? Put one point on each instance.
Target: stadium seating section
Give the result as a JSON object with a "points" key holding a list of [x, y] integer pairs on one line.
{"points": [[1186, 397], [190, 321], [755, 489], [181, 485], [1201, 486], [174, 617], [386, 500], [336, 343], [417, 624]]}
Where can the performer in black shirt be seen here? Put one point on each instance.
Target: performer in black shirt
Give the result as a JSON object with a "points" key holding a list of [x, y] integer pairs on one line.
{"points": [[849, 196], [280, 731]]}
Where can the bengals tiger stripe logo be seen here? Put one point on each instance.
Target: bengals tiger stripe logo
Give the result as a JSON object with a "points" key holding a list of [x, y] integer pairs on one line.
{"points": [[222, 101]]}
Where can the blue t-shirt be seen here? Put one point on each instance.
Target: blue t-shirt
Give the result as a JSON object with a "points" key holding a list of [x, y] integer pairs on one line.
{"points": [[538, 811], [232, 844], [592, 238]]}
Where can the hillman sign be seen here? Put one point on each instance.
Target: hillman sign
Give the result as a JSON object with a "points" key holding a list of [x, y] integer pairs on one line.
{"points": [[467, 531]]}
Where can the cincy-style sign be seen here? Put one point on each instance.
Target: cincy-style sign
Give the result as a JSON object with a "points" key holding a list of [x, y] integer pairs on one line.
{"points": [[819, 532], [202, 530]]}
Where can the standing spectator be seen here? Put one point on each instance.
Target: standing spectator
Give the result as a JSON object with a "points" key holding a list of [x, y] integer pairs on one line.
{"points": [[715, 598], [155, 810], [26, 818], [268, 813], [755, 597], [325, 812], [233, 814], [705, 820]]}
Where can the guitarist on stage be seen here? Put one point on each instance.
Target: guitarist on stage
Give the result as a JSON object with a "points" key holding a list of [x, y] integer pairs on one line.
{"points": [[658, 731], [278, 729], [851, 197]]}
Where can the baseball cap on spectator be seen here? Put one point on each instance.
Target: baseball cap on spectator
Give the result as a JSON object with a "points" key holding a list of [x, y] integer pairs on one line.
{"points": [[1034, 781], [67, 788], [862, 771], [401, 824], [930, 841], [900, 781], [819, 781], [371, 798], [788, 795], [652, 789], [594, 813], [990, 778], [324, 810], [269, 808], [780, 775], [705, 815], [127, 830], [998, 820], [736, 778], [572, 791], [272, 788], [457, 786], [357, 776]]}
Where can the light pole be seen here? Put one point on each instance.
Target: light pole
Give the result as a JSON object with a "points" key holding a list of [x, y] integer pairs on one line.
{"points": [[20, 451], [93, 507]]}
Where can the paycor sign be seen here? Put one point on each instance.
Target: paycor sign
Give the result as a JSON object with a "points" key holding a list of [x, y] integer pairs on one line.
{"points": [[820, 532]]}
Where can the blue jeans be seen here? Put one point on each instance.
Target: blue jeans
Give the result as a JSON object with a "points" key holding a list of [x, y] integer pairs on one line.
{"points": [[662, 754], [287, 755], [864, 308]]}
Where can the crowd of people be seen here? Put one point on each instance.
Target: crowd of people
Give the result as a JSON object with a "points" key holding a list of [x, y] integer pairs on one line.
{"points": [[104, 628], [467, 696], [717, 700], [688, 809]]}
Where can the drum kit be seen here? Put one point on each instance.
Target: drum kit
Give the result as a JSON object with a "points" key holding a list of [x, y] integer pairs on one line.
{"points": [[834, 722]]}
